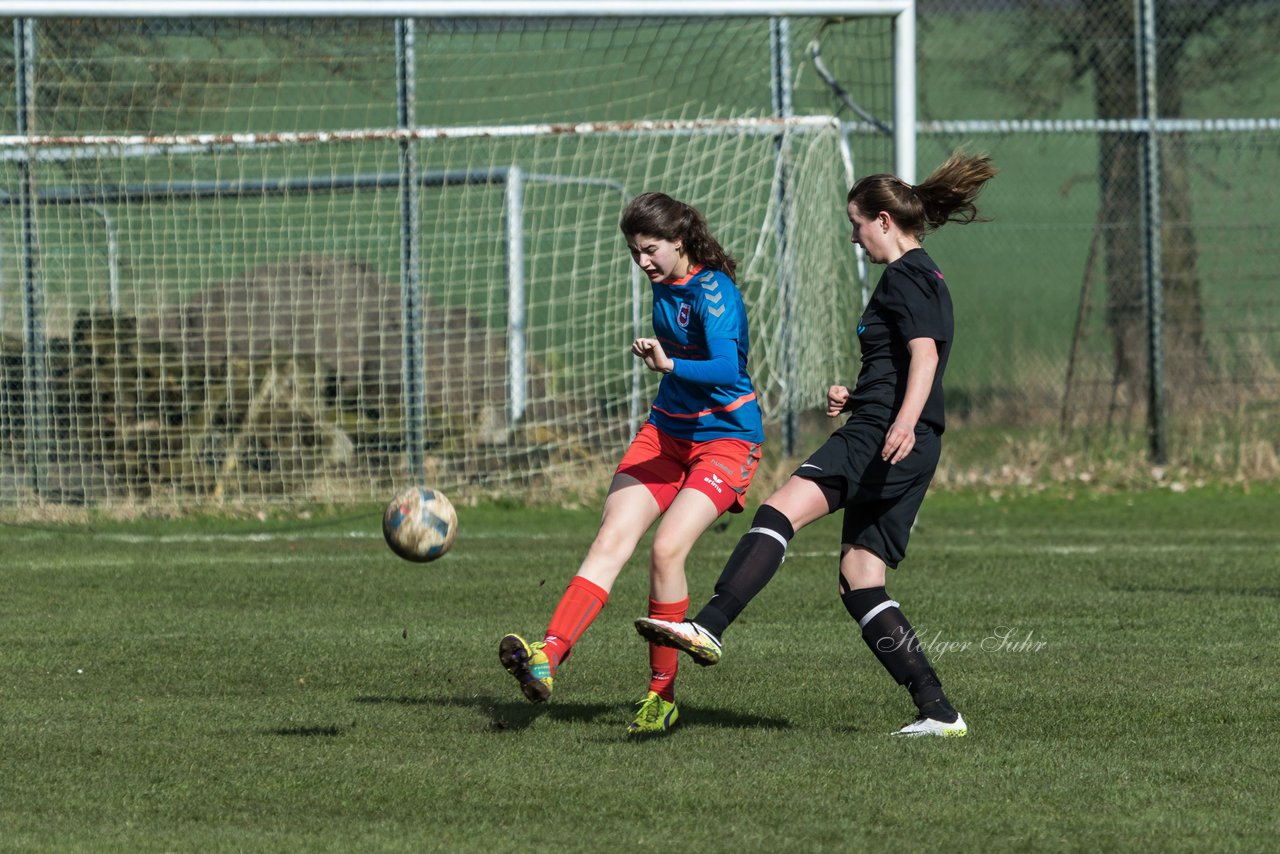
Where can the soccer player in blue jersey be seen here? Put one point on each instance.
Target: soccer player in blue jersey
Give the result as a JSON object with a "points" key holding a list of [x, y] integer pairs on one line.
{"points": [[690, 462], [878, 465]]}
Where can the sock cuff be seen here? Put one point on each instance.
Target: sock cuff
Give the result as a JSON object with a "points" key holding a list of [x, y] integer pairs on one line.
{"points": [[865, 603], [713, 619], [668, 610], [773, 523], [590, 588]]}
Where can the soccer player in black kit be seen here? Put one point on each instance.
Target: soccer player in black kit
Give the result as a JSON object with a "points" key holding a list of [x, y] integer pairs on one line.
{"points": [[878, 465]]}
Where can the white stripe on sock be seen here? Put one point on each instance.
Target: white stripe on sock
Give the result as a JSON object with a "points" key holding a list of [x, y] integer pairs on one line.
{"points": [[862, 624], [771, 533]]}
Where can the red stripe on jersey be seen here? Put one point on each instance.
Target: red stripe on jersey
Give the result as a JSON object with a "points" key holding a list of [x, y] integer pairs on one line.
{"points": [[742, 401]]}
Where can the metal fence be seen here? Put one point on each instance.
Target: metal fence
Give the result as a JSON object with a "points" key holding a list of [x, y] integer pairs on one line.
{"points": [[1133, 242], [1122, 293]]}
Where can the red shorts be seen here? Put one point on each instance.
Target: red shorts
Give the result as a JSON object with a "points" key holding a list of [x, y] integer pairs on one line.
{"points": [[721, 469]]}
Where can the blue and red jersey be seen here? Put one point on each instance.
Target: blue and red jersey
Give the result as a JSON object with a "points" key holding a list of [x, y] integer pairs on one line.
{"points": [[692, 317]]}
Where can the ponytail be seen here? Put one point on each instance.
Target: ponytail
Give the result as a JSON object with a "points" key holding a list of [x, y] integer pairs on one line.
{"points": [[947, 195]]}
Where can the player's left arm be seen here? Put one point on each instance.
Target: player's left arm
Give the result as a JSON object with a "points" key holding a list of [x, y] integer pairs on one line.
{"points": [[901, 437]]}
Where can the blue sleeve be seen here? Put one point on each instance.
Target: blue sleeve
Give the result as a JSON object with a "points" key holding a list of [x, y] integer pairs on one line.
{"points": [[720, 369]]}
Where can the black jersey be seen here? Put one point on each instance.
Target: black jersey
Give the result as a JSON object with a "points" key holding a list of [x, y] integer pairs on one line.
{"points": [[911, 300]]}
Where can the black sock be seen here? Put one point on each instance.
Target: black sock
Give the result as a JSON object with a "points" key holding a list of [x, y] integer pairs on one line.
{"points": [[754, 561], [893, 641]]}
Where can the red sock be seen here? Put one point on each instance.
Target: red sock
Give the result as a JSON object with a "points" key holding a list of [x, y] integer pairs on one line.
{"points": [[579, 605], [663, 660]]}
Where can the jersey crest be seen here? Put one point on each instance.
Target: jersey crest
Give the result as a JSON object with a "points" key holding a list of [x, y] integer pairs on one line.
{"points": [[682, 316]]}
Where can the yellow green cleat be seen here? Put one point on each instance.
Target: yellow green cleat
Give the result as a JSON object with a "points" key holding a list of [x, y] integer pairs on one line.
{"points": [[655, 715], [529, 665]]}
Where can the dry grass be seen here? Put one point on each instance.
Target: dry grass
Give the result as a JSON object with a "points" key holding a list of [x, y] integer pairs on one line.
{"points": [[993, 459]]}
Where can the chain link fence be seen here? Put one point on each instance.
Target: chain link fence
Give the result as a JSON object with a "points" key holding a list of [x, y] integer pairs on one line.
{"points": [[1120, 306], [1124, 295]]}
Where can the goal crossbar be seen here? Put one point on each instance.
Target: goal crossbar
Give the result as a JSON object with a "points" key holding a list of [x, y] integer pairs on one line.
{"points": [[447, 8], [766, 126]]}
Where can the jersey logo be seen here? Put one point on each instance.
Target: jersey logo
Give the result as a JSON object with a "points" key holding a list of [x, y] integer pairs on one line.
{"points": [[708, 282], [861, 329], [682, 316]]}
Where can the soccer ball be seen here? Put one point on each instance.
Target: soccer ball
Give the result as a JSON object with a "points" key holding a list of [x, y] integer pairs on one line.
{"points": [[420, 524]]}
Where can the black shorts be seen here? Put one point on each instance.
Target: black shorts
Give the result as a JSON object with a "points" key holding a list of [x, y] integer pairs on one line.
{"points": [[880, 500]]}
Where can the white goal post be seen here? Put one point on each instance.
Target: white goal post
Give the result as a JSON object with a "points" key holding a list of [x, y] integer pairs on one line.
{"points": [[313, 249]]}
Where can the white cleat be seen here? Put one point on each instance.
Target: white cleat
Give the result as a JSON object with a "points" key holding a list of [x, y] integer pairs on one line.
{"points": [[931, 726], [687, 635]]}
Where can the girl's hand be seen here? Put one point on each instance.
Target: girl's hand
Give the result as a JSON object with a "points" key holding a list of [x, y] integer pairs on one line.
{"points": [[837, 399], [898, 442], [655, 358]]}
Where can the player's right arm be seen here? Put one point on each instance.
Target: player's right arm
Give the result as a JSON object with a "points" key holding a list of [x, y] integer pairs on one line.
{"points": [[720, 368], [837, 400], [901, 437], [654, 356]]}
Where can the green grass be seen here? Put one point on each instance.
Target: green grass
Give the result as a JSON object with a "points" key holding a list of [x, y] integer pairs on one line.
{"points": [[288, 685]]}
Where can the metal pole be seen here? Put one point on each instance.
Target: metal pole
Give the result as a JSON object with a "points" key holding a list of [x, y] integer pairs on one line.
{"points": [[517, 346], [1152, 225], [860, 257], [113, 257], [35, 387], [780, 70], [904, 94], [410, 254]]}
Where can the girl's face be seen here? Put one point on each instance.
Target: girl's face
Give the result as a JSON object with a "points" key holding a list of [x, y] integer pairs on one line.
{"points": [[660, 259], [876, 235]]}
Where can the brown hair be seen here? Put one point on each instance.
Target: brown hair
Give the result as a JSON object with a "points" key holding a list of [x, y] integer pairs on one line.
{"points": [[659, 215], [945, 196]]}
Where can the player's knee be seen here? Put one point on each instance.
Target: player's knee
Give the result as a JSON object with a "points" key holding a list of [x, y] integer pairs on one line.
{"points": [[667, 556], [613, 542], [861, 568]]}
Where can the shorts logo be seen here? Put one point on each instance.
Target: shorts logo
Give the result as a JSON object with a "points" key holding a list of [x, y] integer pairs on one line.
{"points": [[682, 317], [715, 482]]}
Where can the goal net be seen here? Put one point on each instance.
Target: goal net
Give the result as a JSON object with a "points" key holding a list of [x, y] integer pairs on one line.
{"points": [[312, 258]]}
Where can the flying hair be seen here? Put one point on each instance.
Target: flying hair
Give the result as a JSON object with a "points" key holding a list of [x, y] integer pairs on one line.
{"points": [[945, 196], [659, 215]]}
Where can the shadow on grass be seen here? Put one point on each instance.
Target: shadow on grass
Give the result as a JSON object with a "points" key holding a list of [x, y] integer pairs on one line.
{"points": [[502, 715], [705, 716], [1193, 590], [514, 716], [309, 731]]}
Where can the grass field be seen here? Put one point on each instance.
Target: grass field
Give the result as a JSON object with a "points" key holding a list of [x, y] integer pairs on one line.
{"points": [[288, 685]]}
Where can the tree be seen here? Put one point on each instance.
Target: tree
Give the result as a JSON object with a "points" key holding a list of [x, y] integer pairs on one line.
{"points": [[1203, 45]]}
